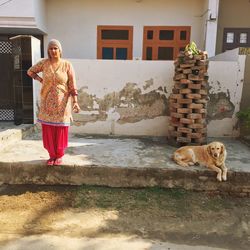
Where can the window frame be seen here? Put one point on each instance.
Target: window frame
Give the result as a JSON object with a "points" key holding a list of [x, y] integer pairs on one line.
{"points": [[155, 43], [236, 43], [112, 43]]}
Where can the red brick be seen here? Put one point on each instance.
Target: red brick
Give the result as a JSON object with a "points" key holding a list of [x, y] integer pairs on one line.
{"points": [[194, 116], [186, 121], [178, 85], [185, 91], [185, 81], [179, 76], [192, 77], [184, 101], [187, 71], [184, 111], [176, 115], [183, 139], [171, 100], [196, 125], [184, 130], [196, 106], [201, 101], [178, 69], [201, 121], [187, 65], [194, 86], [176, 96], [195, 135], [194, 96], [202, 91], [176, 105], [175, 91], [202, 62], [201, 111], [199, 68], [201, 130], [198, 57]]}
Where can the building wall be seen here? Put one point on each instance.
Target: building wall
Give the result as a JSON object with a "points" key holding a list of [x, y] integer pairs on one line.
{"points": [[226, 80], [40, 14], [23, 16], [75, 25], [131, 97], [232, 14], [12, 9]]}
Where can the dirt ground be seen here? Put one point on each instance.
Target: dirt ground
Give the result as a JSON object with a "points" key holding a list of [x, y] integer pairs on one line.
{"points": [[171, 215]]}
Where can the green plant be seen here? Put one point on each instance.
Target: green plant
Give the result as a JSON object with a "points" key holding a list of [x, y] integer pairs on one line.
{"points": [[192, 48], [244, 116]]}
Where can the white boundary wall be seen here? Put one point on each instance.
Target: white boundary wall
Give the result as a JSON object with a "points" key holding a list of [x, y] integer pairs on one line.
{"points": [[99, 78]]}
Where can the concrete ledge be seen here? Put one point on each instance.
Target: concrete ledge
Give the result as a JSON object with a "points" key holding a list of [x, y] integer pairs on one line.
{"points": [[10, 133], [198, 180], [120, 162]]}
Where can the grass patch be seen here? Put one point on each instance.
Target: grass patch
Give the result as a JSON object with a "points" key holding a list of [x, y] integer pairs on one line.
{"points": [[124, 199]]}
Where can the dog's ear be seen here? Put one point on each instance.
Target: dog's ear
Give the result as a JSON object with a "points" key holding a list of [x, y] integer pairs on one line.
{"points": [[222, 149], [209, 149]]}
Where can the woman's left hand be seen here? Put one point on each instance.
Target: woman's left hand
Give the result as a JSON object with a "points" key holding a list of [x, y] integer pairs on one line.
{"points": [[76, 107]]}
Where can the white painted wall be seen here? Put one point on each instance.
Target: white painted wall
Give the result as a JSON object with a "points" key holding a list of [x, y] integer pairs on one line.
{"points": [[17, 8], [227, 77], [211, 26], [23, 14], [40, 14], [101, 77], [75, 24]]}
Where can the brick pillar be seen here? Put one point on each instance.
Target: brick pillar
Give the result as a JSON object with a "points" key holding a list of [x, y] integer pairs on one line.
{"points": [[188, 100]]}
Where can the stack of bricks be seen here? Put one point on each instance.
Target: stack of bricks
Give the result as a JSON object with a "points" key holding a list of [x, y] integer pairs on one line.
{"points": [[188, 100]]}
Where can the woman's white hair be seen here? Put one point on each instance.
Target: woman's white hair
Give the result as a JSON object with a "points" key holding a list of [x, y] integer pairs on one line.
{"points": [[54, 42]]}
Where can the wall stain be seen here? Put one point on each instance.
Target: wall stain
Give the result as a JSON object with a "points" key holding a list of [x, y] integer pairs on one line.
{"points": [[220, 106], [130, 103], [148, 84]]}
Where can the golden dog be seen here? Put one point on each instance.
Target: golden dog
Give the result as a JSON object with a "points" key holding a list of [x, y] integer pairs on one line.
{"points": [[212, 156]]}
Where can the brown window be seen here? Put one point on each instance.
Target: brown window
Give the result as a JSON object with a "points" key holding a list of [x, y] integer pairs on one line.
{"points": [[114, 42], [236, 37], [164, 42]]}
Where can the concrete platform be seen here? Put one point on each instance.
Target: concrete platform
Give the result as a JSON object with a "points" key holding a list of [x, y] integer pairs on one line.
{"points": [[118, 162]]}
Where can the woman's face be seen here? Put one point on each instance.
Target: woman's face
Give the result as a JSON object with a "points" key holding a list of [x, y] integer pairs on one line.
{"points": [[54, 52]]}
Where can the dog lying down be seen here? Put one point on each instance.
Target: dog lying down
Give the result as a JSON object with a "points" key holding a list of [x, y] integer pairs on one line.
{"points": [[212, 156]]}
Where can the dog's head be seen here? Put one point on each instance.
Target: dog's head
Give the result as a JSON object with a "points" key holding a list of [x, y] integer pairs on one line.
{"points": [[216, 149]]}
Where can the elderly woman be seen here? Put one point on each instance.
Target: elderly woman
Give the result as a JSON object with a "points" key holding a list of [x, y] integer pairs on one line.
{"points": [[58, 95]]}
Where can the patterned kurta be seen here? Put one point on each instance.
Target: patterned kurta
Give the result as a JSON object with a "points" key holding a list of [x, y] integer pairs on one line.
{"points": [[57, 87]]}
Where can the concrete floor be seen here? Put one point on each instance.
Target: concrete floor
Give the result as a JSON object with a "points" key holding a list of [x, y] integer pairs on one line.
{"points": [[111, 160]]}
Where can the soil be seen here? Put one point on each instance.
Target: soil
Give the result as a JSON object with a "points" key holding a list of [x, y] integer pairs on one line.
{"points": [[172, 215]]}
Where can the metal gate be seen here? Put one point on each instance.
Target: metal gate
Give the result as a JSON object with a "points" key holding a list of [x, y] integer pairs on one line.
{"points": [[6, 81]]}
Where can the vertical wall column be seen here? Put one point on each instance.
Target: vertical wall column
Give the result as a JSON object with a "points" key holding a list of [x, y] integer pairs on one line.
{"points": [[211, 26]]}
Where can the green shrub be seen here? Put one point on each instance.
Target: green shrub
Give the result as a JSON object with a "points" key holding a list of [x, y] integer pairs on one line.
{"points": [[244, 116]]}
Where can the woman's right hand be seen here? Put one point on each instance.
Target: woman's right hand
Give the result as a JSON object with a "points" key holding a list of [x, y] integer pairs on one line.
{"points": [[76, 107]]}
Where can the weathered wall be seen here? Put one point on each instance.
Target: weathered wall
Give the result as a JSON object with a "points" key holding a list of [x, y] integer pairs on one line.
{"points": [[123, 97], [226, 80], [131, 97]]}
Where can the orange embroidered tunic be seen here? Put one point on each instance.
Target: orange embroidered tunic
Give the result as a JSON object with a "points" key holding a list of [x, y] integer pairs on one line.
{"points": [[57, 87]]}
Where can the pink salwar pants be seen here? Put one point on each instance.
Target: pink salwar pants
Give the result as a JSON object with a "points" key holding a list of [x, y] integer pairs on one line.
{"points": [[55, 140]]}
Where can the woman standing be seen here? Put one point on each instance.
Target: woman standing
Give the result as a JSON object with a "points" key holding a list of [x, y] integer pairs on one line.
{"points": [[58, 94]]}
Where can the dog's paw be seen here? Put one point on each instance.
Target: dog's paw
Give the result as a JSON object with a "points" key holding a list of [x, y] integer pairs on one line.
{"points": [[219, 177], [224, 177]]}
